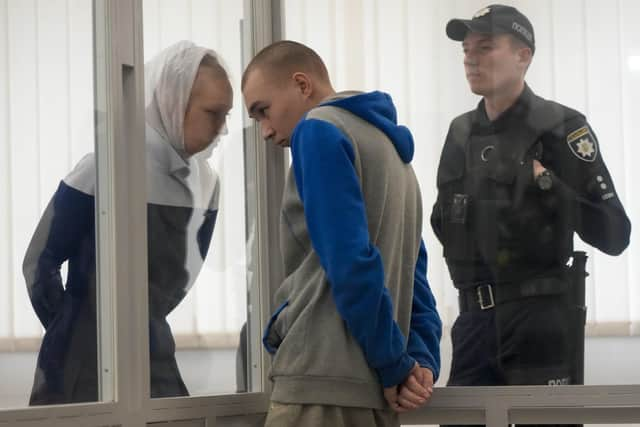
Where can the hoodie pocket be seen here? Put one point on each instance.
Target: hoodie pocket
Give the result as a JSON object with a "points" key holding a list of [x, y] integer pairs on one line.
{"points": [[276, 329]]}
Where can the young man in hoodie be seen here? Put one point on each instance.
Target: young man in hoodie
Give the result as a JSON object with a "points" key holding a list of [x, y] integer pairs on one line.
{"points": [[355, 332]]}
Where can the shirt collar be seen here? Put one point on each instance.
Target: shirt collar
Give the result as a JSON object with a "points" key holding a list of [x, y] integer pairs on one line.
{"points": [[519, 109]]}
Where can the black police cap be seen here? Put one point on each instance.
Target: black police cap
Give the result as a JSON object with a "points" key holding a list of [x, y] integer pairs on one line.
{"points": [[494, 19]]}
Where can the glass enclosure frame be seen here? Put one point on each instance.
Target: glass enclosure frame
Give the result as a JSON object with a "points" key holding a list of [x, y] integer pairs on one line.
{"points": [[122, 261], [121, 247]]}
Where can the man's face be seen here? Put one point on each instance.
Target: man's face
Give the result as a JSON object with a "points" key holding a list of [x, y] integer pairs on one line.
{"points": [[278, 105], [210, 101], [492, 63]]}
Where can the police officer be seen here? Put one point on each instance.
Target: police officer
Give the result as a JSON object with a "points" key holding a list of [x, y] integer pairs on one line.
{"points": [[517, 177]]}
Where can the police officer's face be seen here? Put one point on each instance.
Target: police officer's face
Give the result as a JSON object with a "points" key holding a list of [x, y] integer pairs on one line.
{"points": [[210, 101], [493, 64], [276, 103]]}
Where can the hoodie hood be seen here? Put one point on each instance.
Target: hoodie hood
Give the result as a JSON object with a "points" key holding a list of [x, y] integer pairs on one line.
{"points": [[169, 77], [377, 108]]}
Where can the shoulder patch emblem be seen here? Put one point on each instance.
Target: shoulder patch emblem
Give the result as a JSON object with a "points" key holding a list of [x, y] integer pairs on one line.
{"points": [[582, 144]]}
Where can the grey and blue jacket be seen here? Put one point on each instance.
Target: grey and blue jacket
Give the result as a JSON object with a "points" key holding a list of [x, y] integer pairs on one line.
{"points": [[355, 311], [181, 212]]}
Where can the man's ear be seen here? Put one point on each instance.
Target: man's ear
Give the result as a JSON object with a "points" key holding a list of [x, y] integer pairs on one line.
{"points": [[525, 55], [303, 83]]}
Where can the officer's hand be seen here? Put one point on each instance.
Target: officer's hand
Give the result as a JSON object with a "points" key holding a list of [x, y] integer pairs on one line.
{"points": [[537, 168]]}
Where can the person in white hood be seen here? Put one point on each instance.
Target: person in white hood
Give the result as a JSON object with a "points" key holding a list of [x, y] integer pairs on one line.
{"points": [[187, 98]]}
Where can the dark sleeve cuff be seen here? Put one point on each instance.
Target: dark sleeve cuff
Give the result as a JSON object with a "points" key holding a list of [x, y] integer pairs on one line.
{"points": [[398, 372]]}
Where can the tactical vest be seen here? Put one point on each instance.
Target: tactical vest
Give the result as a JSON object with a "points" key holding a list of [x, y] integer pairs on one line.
{"points": [[491, 212]]}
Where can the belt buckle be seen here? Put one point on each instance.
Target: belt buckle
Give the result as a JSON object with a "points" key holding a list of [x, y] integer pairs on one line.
{"points": [[491, 303]]}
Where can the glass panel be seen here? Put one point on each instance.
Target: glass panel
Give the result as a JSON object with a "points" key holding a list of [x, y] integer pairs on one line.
{"points": [[48, 350], [196, 208], [591, 65]]}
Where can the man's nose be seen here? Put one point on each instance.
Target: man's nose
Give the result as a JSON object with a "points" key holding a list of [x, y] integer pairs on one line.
{"points": [[267, 130], [469, 59]]}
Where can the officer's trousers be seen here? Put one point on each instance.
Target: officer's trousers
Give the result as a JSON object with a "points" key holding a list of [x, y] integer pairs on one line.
{"points": [[521, 342]]}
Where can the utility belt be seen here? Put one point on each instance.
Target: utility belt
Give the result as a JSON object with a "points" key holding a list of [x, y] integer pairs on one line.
{"points": [[486, 295]]}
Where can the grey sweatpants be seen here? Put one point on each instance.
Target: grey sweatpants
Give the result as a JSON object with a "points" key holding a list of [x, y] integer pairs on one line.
{"points": [[293, 415]]}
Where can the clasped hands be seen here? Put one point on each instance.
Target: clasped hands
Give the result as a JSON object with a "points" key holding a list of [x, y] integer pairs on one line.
{"points": [[413, 393]]}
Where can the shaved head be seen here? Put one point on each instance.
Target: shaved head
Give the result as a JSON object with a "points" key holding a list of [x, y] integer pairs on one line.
{"points": [[282, 59], [281, 84]]}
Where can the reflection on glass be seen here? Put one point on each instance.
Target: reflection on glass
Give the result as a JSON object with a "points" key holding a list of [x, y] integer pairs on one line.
{"points": [[48, 244], [198, 348], [67, 369], [188, 97]]}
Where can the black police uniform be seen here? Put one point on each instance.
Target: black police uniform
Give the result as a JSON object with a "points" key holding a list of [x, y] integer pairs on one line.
{"points": [[507, 238]]}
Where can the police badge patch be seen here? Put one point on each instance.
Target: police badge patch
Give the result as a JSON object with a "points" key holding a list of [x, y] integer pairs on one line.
{"points": [[583, 144], [481, 12]]}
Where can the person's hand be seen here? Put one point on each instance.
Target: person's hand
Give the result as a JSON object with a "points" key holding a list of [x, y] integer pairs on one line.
{"points": [[391, 396], [537, 168], [417, 388], [413, 393]]}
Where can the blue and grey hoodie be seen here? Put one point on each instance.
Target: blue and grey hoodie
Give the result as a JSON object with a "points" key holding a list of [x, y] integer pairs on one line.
{"points": [[182, 205], [355, 311]]}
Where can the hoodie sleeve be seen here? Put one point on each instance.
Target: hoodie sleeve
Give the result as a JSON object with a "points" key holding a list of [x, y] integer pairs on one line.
{"points": [[205, 232], [426, 327], [336, 218], [62, 227]]}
